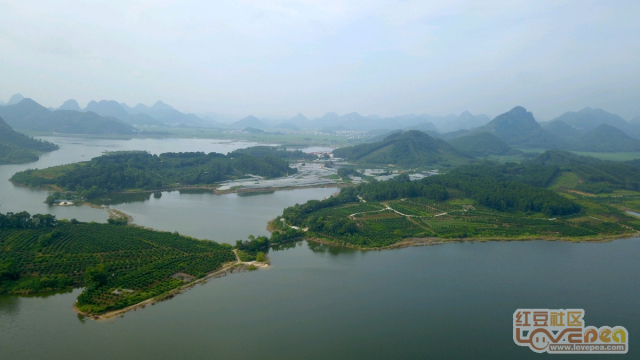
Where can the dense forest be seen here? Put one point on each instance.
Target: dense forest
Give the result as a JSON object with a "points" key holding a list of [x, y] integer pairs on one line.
{"points": [[18, 148], [275, 151], [39, 253], [140, 170]]}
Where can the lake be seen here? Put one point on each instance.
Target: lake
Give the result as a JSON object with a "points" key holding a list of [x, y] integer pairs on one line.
{"points": [[317, 301]]}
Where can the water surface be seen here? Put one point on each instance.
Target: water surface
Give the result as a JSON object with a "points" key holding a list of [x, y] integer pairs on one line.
{"points": [[322, 302]]}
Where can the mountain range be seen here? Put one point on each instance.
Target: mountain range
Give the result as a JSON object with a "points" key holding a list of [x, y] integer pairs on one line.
{"points": [[30, 116]]}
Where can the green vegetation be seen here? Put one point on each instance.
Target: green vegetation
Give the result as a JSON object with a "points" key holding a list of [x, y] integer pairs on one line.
{"points": [[120, 171], [17, 148], [410, 149], [118, 265], [279, 152], [483, 144], [546, 197]]}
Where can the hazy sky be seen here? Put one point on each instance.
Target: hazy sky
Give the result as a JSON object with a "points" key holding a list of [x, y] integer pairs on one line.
{"points": [[271, 58]]}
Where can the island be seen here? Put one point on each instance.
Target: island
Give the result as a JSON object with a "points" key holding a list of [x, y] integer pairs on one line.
{"points": [[140, 171]]}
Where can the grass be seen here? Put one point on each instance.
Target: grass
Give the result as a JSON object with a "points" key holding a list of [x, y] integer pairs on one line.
{"points": [[565, 179], [621, 156]]}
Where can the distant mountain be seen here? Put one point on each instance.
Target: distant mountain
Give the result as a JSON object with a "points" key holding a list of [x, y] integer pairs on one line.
{"points": [[355, 121], [19, 148], [588, 119], [483, 144], [424, 127], [563, 131], [70, 105], [2, 103], [412, 148], [635, 120], [299, 121], [249, 121], [107, 108], [166, 114], [606, 138], [464, 121], [16, 98], [517, 127], [31, 116]]}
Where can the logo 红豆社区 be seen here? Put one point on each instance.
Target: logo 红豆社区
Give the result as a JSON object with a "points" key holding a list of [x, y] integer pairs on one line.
{"points": [[564, 332]]}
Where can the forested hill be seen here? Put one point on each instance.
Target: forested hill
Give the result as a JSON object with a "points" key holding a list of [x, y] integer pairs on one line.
{"points": [[589, 174], [31, 116], [483, 144], [19, 148], [411, 148], [519, 128], [140, 170]]}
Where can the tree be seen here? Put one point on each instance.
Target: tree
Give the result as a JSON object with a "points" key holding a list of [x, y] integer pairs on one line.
{"points": [[97, 275], [260, 257], [9, 270]]}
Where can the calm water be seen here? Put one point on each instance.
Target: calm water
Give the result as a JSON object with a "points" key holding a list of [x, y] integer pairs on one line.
{"points": [[316, 301], [202, 214], [16, 198], [319, 302]]}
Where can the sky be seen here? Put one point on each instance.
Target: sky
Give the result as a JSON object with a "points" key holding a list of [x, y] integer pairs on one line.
{"points": [[275, 58]]}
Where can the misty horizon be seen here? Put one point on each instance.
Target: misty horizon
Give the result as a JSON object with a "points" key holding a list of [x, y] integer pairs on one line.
{"points": [[278, 59]]}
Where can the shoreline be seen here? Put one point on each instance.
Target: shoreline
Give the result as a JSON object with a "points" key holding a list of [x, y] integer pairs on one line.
{"points": [[212, 188], [415, 242], [226, 269]]}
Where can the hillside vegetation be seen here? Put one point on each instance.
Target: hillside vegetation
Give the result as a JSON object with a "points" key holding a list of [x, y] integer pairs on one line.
{"points": [[483, 144], [411, 149], [19, 148]]}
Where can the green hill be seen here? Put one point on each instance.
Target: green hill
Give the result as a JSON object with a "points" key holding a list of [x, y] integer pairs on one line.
{"points": [[592, 175], [518, 127], [19, 148], [563, 131], [483, 144], [606, 138], [31, 116], [412, 148]]}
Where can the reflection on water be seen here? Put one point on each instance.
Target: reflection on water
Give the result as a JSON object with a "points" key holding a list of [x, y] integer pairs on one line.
{"points": [[255, 193], [321, 248], [203, 214], [115, 198]]}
